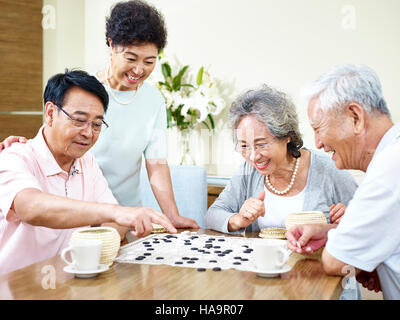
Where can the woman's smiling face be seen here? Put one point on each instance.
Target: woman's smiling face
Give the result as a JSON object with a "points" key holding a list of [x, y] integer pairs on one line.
{"points": [[133, 64], [259, 147]]}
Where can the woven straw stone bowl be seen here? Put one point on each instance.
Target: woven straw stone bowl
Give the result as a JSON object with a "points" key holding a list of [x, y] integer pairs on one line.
{"points": [[305, 217], [109, 236]]}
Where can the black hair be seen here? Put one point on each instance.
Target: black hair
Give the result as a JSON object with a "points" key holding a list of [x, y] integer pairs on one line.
{"points": [[136, 22], [58, 86]]}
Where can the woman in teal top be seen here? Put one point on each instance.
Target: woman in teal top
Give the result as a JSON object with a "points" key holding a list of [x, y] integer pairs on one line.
{"points": [[135, 33]]}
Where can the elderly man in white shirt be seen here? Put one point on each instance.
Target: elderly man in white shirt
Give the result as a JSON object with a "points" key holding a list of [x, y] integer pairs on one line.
{"points": [[350, 118]]}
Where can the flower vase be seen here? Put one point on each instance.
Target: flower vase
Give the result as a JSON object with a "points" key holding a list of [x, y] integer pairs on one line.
{"points": [[185, 156]]}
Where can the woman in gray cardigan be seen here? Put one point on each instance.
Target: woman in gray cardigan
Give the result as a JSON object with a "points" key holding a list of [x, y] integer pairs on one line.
{"points": [[278, 176]]}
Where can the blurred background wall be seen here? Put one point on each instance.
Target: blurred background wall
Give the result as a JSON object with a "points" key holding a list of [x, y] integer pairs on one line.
{"points": [[283, 43]]}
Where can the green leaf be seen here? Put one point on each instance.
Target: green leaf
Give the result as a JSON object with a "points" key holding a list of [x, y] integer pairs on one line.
{"points": [[205, 123], [166, 84], [166, 70], [199, 80], [211, 121], [176, 81], [187, 85]]}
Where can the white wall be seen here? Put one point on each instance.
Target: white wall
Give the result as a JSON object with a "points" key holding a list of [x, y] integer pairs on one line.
{"points": [[284, 43], [63, 36]]}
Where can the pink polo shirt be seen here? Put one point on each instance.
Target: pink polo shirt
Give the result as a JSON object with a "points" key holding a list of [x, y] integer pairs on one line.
{"points": [[32, 165]]}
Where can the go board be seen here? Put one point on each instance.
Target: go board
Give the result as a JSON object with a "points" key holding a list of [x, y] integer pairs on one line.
{"points": [[189, 249]]}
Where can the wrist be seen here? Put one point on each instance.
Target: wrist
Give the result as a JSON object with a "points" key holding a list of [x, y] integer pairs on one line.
{"points": [[111, 212], [232, 223]]}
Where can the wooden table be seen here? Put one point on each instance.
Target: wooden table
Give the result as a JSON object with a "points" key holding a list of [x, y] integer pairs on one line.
{"points": [[306, 280]]}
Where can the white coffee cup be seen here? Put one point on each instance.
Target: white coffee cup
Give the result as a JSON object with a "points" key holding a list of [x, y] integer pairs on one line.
{"points": [[85, 254], [270, 254]]}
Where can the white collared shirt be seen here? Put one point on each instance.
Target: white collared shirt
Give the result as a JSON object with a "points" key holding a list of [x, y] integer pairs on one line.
{"points": [[368, 236]]}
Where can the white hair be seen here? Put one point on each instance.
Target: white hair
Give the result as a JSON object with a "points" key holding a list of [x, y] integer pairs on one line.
{"points": [[342, 85], [275, 110]]}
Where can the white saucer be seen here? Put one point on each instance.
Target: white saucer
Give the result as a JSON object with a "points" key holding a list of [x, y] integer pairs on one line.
{"points": [[86, 273], [273, 273]]}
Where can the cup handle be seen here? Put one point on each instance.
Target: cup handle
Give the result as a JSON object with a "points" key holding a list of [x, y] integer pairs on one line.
{"points": [[63, 256], [285, 257]]}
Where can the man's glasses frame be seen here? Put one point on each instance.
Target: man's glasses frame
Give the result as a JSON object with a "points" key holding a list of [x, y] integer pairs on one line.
{"points": [[84, 124]]}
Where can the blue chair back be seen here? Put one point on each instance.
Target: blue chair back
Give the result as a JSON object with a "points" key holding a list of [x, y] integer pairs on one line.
{"points": [[190, 190]]}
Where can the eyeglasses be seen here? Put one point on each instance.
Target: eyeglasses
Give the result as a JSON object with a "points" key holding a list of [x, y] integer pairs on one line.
{"points": [[83, 124], [246, 149]]}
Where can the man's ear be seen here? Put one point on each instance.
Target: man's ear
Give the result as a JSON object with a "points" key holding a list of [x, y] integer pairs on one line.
{"points": [[50, 111], [357, 115]]}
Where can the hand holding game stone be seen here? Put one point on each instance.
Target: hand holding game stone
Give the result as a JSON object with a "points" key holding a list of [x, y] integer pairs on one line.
{"points": [[140, 220], [249, 212], [307, 238]]}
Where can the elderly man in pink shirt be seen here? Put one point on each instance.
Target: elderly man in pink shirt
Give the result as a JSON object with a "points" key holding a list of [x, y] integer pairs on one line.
{"points": [[51, 185]]}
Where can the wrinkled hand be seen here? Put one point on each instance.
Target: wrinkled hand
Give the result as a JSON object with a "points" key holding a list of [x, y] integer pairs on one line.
{"points": [[249, 212], [336, 211], [183, 222], [140, 220], [10, 140], [369, 280], [311, 238]]}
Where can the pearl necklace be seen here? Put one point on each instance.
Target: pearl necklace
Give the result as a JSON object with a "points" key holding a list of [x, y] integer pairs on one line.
{"points": [[291, 180], [112, 93]]}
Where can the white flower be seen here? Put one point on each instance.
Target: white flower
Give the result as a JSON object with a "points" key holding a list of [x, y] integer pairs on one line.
{"points": [[198, 101], [219, 105]]}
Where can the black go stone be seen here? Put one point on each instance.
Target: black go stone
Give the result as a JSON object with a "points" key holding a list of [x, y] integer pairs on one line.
{"points": [[179, 262], [185, 258], [147, 254], [190, 261], [193, 248], [217, 269], [237, 262], [150, 249], [213, 261], [159, 258], [221, 240], [201, 269]]}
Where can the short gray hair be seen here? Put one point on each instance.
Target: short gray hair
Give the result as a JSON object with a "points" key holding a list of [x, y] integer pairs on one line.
{"points": [[275, 110], [342, 85]]}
